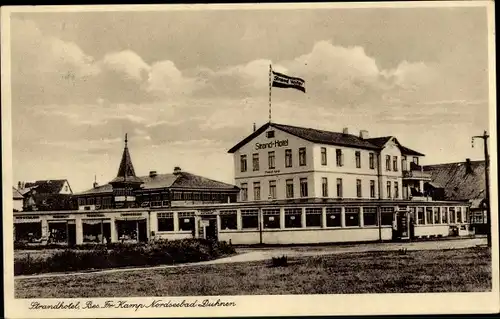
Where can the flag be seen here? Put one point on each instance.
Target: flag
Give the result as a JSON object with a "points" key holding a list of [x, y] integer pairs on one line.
{"points": [[281, 80]]}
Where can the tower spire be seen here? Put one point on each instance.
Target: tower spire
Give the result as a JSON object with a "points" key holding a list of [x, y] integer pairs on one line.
{"points": [[126, 139], [126, 172]]}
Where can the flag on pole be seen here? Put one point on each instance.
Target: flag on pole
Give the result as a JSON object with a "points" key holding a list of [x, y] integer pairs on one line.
{"points": [[281, 80]]}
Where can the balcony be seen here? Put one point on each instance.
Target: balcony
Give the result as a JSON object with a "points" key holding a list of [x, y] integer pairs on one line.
{"points": [[416, 175]]}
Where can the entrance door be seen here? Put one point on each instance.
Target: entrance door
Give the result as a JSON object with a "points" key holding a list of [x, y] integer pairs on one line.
{"points": [[211, 230], [403, 225], [143, 230]]}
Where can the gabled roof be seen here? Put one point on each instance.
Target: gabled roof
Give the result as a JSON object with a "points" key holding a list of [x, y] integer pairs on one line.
{"points": [[179, 180], [312, 135], [16, 194], [381, 141], [51, 186], [459, 183]]}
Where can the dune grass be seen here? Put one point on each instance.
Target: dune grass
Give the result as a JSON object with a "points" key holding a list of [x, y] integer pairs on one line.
{"points": [[461, 270]]}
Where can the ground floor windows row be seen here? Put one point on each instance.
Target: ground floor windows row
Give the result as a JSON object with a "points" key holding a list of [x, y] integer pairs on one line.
{"points": [[440, 215]]}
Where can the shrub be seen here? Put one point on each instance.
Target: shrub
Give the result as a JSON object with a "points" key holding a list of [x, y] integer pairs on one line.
{"points": [[279, 261], [87, 257]]}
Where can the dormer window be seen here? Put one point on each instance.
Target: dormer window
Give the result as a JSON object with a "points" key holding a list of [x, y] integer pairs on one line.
{"points": [[270, 134]]}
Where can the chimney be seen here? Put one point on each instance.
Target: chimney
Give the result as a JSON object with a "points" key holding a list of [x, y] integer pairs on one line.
{"points": [[468, 166], [363, 134], [152, 173], [19, 185], [177, 170], [94, 185], [345, 130], [254, 127]]}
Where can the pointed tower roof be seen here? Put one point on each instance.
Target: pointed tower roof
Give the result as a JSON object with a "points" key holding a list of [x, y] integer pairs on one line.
{"points": [[126, 172]]}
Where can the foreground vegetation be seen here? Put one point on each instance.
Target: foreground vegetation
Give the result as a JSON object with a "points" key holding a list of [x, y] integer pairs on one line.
{"points": [[122, 255], [461, 270]]}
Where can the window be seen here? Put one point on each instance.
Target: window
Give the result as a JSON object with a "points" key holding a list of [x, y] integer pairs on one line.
{"points": [[395, 163], [386, 216], [404, 163], [372, 161], [372, 189], [244, 191], [415, 160], [358, 188], [302, 156], [271, 218], [289, 188], [255, 162], [165, 222], [256, 191], [436, 215], [352, 216], [453, 215], [81, 201], [339, 157], [303, 187], [420, 216], [387, 162], [288, 158], [272, 189], [324, 186], [270, 134], [249, 219], [370, 216], [293, 217], [388, 189], [186, 221], [323, 156], [396, 190], [228, 219], [428, 215], [270, 160], [243, 163], [459, 214], [313, 217], [333, 217], [444, 215], [339, 187], [358, 159], [467, 214]]}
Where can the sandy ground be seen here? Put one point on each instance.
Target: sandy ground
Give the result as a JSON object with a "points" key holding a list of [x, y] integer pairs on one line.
{"points": [[257, 254]]}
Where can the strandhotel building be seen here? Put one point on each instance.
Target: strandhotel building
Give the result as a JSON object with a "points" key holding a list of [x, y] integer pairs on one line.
{"points": [[293, 185]]}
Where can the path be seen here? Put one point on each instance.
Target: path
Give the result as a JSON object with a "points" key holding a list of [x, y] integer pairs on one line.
{"points": [[258, 254]]}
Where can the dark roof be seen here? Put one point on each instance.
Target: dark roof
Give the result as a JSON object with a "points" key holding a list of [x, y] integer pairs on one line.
{"points": [[312, 135], [52, 186], [126, 172], [459, 183], [16, 194], [327, 137], [381, 141], [180, 180]]}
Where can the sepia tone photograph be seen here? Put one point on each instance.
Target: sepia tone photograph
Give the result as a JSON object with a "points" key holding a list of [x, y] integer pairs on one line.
{"points": [[165, 157]]}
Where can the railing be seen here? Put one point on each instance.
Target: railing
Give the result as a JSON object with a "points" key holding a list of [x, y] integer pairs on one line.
{"points": [[417, 175]]}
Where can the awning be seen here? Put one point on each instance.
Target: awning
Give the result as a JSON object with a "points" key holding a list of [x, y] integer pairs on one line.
{"points": [[95, 221], [130, 218]]}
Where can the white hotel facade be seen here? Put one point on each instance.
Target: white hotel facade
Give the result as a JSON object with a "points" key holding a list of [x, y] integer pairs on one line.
{"points": [[296, 186]]}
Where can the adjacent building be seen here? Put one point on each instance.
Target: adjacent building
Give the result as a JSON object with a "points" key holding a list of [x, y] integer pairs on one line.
{"points": [[17, 200], [46, 195], [460, 181]]}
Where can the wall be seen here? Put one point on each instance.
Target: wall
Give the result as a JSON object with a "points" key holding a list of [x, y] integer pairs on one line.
{"points": [[392, 150], [280, 173]]}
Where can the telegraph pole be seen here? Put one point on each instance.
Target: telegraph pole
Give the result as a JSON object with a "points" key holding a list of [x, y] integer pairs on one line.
{"points": [[485, 137]]}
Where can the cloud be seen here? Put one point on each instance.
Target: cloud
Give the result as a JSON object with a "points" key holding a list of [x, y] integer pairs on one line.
{"points": [[128, 63]]}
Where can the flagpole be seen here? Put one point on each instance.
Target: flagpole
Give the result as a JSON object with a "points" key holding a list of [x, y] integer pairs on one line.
{"points": [[270, 86]]}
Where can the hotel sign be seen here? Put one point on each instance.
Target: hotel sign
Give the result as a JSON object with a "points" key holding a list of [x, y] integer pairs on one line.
{"points": [[274, 144]]}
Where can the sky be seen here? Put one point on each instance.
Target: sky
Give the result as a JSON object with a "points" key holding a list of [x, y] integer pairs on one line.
{"points": [[187, 85]]}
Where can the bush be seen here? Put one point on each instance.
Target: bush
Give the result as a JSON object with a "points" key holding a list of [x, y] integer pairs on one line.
{"points": [[88, 257], [279, 261]]}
